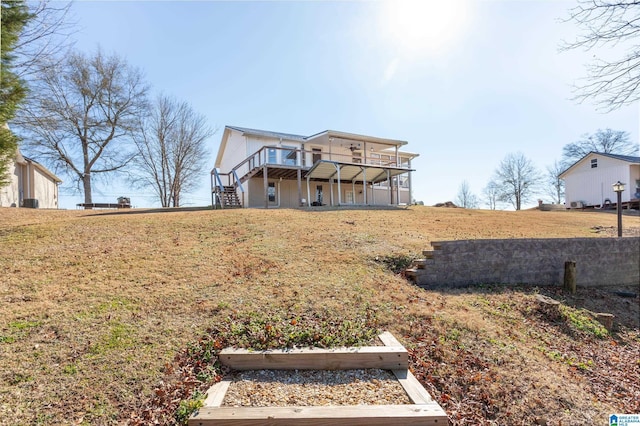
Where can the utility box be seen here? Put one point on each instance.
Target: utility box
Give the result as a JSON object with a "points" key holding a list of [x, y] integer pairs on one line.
{"points": [[31, 203]]}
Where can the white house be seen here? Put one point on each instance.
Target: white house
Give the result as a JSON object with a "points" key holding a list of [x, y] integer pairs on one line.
{"points": [[30, 185], [588, 182], [259, 168]]}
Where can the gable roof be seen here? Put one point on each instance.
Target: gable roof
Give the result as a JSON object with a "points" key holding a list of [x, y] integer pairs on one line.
{"points": [[300, 138], [627, 158]]}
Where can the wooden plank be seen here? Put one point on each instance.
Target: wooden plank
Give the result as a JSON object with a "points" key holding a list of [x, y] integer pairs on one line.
{"points": [[397, 415], [414, 389], [216, 393], [389, 339], [384, 357]]}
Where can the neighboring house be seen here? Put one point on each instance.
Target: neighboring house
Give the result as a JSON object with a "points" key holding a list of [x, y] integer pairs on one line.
{"points": [[30, 185], [588, 182], [258, 168]]}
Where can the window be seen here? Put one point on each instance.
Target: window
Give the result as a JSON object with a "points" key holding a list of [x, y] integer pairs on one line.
{"points": [[289, 155], [349, 197], [594, 163], [316, 155], [272, 156], [374, 158], [271, 192], [356, 157]]}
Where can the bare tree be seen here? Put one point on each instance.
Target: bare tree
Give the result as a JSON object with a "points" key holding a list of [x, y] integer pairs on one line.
{"points": [[606, 23], [465, 197], [491, 193], [83, 115], [606, 141], [171, 150], [555, 185], [517, 179], [45, 36]]}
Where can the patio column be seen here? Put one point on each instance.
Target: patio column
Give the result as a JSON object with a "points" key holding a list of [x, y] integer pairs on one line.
{"points": [[339, 188], [389, 189], [373, 194], [331, 191], [410, 184], [265, 181], [299, 186]]}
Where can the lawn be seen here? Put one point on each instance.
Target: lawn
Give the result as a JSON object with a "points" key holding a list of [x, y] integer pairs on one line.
{"points": [[115, 317]]}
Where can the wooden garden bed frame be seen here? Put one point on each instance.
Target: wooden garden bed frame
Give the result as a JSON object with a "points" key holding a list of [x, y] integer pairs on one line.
{"points": [[392, 356]]}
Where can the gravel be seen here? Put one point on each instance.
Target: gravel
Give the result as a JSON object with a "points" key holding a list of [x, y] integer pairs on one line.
{"points": [[280, 388]]}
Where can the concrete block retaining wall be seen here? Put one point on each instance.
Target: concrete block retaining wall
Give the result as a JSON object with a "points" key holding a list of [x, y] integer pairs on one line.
{"points": [[599, 262]]}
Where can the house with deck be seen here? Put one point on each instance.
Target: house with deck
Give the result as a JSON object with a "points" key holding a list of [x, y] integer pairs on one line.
{"points": [[260, 168], [30, 185], [588, 182]]}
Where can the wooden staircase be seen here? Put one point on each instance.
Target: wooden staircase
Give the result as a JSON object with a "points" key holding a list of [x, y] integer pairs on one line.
{"points": [[227, 198]]}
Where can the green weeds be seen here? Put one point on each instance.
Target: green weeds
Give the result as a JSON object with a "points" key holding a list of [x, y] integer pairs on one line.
{"points": [[580, 320]]}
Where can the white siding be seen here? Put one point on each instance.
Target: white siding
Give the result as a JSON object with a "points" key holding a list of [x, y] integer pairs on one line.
{"points": [[44, 190], [593, 186], [10, 194], [235, 151], [29, 181]]}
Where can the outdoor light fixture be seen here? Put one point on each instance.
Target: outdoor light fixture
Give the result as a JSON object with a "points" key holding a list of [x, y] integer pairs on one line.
{"points": [[618, 187]]}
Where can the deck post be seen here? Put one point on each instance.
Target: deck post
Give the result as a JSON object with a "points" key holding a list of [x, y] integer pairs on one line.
{"points": [[299, 173], [265, 180], [331, 191], [339, 187], [389, 189], [364, 184]]}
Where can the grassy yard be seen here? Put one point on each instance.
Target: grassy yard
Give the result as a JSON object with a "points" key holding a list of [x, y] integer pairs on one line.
{"points": [[115, 317]]}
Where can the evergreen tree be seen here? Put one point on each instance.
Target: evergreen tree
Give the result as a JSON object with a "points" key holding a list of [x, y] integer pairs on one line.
{"points": [[15, 14]]}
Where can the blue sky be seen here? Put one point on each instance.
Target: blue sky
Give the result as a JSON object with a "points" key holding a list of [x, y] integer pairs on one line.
{"points": [[465, 83]]}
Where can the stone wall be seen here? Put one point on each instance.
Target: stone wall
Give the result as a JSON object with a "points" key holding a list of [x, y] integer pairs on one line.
{"points": [[599, 262]]}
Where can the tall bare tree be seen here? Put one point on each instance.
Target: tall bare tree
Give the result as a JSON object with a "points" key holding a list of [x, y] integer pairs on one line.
{"points": [[606, 141], [517, 179], [555, 185], [465, 197], [45, 37], [606, 23], [171, 150], [83, 116]]}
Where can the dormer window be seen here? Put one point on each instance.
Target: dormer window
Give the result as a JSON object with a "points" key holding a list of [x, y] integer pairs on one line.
{"points": [[594, 163]]}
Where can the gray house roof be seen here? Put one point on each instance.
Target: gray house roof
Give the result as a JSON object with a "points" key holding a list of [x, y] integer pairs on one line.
{"points": [[269, 134], [629, 158]]}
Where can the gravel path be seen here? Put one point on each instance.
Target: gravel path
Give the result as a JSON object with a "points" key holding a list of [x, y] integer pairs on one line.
{"points": [[279, 388]]}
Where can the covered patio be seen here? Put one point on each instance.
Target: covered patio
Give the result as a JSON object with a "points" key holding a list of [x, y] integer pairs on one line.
{"points": [[340, 173]]}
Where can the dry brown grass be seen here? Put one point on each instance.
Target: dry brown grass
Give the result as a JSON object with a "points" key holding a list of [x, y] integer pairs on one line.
{"points": [[94, 306]]}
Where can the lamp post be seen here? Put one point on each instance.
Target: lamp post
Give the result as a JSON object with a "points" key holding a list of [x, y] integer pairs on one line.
{"points": [[618, 187]]}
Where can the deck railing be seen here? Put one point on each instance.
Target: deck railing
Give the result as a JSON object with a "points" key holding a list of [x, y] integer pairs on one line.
{"points": [[300, 158]]}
